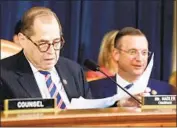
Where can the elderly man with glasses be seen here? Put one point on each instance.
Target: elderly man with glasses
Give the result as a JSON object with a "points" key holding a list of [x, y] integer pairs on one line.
{"points": [[38, 71], [131, 53]]}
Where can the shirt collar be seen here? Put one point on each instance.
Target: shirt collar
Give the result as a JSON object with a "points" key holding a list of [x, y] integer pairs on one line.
{"points": [[122, 82], [35, 70]]}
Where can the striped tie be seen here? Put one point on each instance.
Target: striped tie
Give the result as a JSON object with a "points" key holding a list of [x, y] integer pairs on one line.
{"points": [[128, 86], [53, 90]]}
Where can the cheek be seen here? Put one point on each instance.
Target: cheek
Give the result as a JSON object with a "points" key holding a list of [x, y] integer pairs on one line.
{"points": [[32, 51], [39, 58], [145, 62], [37, 55], [126, 60], [57, 54]]}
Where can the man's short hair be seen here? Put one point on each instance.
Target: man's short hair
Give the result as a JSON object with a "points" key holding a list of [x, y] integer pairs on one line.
{"points": [[17, 27], [28, 18], [127, 31]]}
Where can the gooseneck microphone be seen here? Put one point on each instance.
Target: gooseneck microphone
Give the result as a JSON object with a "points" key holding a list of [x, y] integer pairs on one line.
{"points": [[94, 67]]}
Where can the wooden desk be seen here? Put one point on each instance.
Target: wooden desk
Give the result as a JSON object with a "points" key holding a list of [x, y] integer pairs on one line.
{"points": [[92, 117]]}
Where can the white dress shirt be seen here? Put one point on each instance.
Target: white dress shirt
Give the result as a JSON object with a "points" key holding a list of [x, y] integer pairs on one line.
{"points": [[123, 83], [40, 79]]}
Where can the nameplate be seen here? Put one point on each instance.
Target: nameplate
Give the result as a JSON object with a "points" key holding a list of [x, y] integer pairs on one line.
{"points": [[28, 103], [154, 101]]}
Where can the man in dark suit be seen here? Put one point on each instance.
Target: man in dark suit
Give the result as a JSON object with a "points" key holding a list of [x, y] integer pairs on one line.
{"points": [[22, 74], [131, 53]]}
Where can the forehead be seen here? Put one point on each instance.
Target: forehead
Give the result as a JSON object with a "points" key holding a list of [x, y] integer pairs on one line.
{"points": [[46, 26], [134, 42]]}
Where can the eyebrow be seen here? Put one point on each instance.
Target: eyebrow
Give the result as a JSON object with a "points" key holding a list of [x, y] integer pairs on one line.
{"points": [[43, 40], [137, 49]]}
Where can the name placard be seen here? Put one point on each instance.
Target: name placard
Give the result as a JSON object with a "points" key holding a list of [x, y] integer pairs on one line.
{"points": [[159, 101], [28, 103]]}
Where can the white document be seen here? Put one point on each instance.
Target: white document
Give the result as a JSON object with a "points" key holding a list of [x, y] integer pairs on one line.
{"points": [[81, 103], [138, 87]]}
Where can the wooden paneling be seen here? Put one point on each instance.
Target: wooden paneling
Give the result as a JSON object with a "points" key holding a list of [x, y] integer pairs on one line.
{"points": [[92, 117]]}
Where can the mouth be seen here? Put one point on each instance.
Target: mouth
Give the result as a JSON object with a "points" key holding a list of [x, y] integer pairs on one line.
{"points": [[138, 66], [49, 59]]}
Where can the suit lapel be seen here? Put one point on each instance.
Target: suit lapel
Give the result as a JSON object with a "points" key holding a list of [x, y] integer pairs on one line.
{"points": [[114, 86], [103, 88], [110, 86], [26, 77], [28, 82], [67, 83]]}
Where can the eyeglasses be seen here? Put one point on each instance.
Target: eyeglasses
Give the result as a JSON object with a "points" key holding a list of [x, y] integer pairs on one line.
{"points": [[134, 52], [43, 47]]}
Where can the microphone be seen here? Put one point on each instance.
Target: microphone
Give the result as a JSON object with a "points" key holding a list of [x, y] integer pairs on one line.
{"points": [[94, 67], [91, 65]]}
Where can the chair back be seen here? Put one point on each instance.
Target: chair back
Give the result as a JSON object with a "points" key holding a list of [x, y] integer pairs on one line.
{"points": [[8, 48], [92, 75]]}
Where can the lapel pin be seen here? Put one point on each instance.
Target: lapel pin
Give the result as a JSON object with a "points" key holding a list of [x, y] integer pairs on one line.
{"points": [[64, 81], [154, 92]]}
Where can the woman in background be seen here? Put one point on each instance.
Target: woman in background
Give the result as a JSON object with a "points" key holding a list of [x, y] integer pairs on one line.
{"points": [[105, 58]]}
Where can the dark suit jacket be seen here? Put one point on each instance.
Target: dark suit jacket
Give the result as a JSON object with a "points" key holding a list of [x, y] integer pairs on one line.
{"points": [[105, 88], [17, 79]]}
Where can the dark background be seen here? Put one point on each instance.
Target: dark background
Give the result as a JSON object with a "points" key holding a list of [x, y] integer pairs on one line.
{"points": [[86, 21]]}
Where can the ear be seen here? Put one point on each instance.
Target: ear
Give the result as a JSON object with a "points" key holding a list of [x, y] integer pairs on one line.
{"points": [[21, 39], [115, 54]]}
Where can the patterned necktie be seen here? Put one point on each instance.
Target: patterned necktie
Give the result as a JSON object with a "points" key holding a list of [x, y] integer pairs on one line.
{"points": [[53, 90], [128, 86]]}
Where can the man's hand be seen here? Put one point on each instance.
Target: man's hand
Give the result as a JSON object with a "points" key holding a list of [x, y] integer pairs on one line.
{"points": [[130, 102]]}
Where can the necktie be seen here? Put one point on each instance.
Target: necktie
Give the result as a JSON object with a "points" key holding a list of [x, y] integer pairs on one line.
{"points": [[128, 86], [53, 90]]}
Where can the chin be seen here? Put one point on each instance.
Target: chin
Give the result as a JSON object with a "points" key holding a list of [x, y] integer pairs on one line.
{"points": [[138, 72], [48, 66], [50, 63]]}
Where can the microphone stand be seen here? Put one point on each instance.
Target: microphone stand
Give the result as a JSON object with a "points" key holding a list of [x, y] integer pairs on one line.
{"points": [[119, 85]]}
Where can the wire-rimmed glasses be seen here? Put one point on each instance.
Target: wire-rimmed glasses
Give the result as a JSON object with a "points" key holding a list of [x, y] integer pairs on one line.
{"points": [[134, 52]]}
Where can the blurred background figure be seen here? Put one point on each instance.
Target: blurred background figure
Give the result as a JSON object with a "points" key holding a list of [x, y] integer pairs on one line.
{"points": [[172, 81], [105, 58]]}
